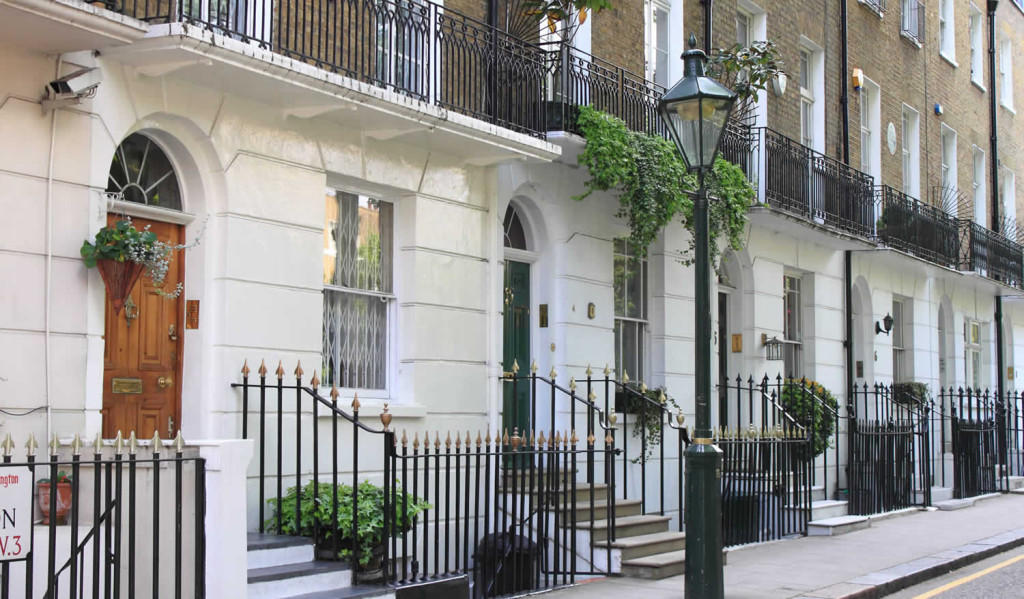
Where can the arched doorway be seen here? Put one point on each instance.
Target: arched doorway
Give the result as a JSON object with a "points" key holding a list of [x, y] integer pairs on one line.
{"points": [[142, 363], [516, 318]]}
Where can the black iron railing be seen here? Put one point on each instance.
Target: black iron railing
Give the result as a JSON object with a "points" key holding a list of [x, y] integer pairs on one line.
{"points": [[987, 252], [811, 185], [580, 79], [413, 47], [890, 454], [917, 228], [975, 428], [767, 467], [132, 519]]}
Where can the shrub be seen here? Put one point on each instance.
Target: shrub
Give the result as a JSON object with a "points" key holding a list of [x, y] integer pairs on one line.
{"points": [[813, 407]]}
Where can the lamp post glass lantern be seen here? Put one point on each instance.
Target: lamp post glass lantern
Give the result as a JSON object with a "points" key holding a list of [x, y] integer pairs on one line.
{"points": [[695, 112]]}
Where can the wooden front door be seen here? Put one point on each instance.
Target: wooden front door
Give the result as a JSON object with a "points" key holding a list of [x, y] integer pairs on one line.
{"points": [[142, 354], [516, 408]]}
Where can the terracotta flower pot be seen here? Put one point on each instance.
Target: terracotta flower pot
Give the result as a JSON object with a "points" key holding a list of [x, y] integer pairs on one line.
{"points": [[119, 278], [63, 501]]}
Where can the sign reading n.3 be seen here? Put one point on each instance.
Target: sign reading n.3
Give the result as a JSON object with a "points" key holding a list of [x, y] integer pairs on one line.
{"points": [[16, 491]]}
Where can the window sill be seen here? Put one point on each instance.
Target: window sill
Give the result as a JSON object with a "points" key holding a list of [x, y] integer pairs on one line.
{"points": [[981, 87], [873, 7], [1008, 108], [949, 59], [371, 405], [912, 39]]}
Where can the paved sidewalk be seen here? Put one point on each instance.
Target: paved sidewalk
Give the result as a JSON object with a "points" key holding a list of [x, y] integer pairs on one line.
{"points": [[892, 554]]}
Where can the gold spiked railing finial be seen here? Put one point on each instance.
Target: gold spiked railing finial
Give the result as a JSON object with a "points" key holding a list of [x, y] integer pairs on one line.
{"points": [[54, 444], [156, 442], [515, 366], [385, 417], [314, 382], [612, 417], [625, 376], [355, 402], [263, 368], [298, 370], [280, 369], [76, 445], [8, 445], [118, 443], [552, 375], [334, 394], [533, 367], [590, 371], [245, 369], [572, 385], [97, 443], [607, 370], [133, 443], [179, 442], [31, 446]]}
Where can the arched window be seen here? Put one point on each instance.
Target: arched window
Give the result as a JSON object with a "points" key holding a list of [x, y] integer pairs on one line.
{"points": [[142, 172], [515, 233]]}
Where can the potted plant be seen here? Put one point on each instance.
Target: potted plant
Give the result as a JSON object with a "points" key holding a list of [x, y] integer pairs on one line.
{"points": [[648, 418], [43, 491], [123, 253], [316, 510], [813, 407], [910, 394]]}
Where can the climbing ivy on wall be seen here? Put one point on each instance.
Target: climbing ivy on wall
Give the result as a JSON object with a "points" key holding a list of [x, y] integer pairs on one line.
{"points": [[654, 187]]}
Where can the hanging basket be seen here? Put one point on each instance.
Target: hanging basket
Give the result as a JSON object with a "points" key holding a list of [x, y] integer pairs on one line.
{"points": [[119, 278]]}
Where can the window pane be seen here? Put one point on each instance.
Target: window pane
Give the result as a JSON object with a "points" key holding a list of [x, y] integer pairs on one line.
{"points": [[355, 340], [629, 349], [357, 242]]}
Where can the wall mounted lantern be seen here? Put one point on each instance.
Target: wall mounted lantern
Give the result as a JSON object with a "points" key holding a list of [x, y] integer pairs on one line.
{"points": [[772, 347], [885, 326]]}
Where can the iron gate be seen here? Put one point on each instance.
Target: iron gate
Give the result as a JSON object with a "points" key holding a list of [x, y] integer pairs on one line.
{"points": [[974, 428], [889, 445]]}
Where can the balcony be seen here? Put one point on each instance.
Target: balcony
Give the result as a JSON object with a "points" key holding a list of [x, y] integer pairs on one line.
{"points": [[989, 253], [810, 185], [917, 228], [580, 79]]}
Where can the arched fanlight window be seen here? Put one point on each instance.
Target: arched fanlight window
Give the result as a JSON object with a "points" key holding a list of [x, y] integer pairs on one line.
{"points": [[515, 233], [142, 172]]}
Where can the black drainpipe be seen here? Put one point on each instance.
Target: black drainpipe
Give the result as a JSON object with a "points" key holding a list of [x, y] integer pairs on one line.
{"points": [[844, 98], [994, 150], [707, 26]]}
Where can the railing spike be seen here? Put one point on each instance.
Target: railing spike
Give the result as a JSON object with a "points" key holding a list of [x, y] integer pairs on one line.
{"points": [[157, 444], [552, 375], [179, 442], [590, 439], [263, 368], [467, 439], [133, 443], [298, 370], [574, 439], [54, 444], [314, 382], [448, 440], [487, 439], [405, 439], [608, 439], [334, 394], [479, 440], [592, 397], [643, 387], [8, 445], [415, 440], [625, 376], [31, 444], [515, 366], [385, 417], [458, 442], [533, 367], [355, 402], [612, 417], [118, 443], [245, 369], [437, 440], [533, 439], [590, 372], [607, 371], [97, 443], [572, 385], [680, 417], [541, 440], [280, 369], [505, 438], [661, 396]]}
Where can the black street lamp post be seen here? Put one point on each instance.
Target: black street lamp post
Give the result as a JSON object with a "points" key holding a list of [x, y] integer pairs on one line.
{"points": [[695, 112]]}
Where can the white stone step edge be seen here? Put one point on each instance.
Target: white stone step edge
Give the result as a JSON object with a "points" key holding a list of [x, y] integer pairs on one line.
{"points": [[300, 585], [279, 556]]}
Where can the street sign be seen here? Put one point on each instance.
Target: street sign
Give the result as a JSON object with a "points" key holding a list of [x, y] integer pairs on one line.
{"points": [[16, 490]]}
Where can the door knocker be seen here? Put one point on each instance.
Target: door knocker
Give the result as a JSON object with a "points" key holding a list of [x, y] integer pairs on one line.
{"points": [[131, 311]]}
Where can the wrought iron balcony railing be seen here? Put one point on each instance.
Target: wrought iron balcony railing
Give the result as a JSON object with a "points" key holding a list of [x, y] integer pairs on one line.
{"points": [[989, 253], [918, 228], [580, 79], [803, 182]]}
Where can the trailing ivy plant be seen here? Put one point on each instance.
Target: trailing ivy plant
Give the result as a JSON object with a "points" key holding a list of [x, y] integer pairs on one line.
{"points": [[651, 179], [813, 407], [654, 186]]}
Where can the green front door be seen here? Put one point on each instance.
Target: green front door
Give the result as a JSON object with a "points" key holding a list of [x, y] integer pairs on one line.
{"points": [[516, 407]]}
